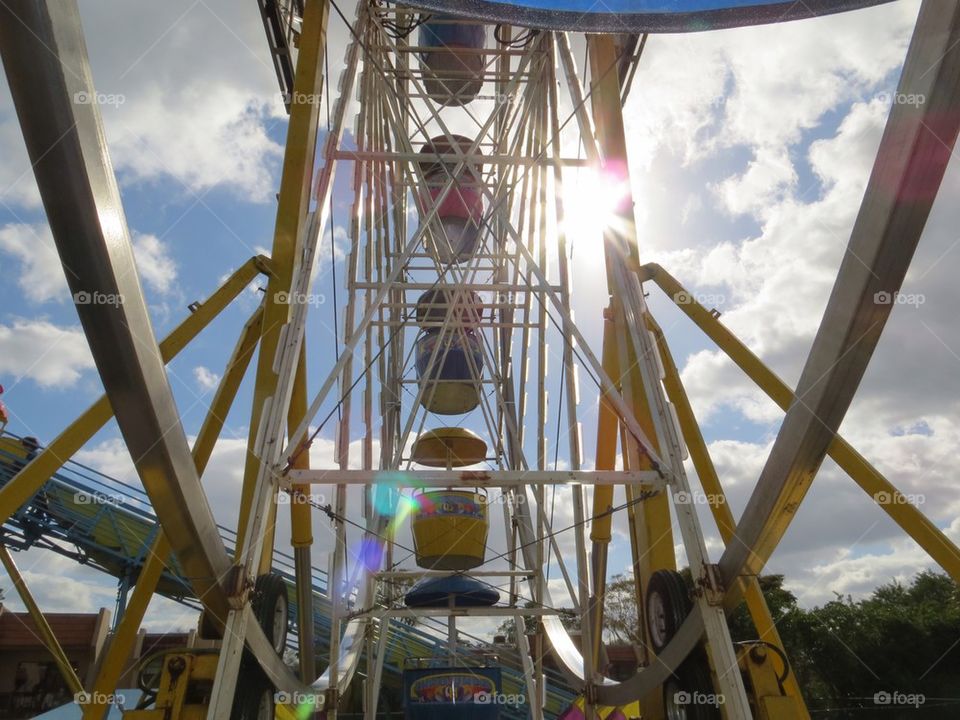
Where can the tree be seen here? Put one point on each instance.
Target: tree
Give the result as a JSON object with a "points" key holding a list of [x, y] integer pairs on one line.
{"points": [[902, 638], [621, 616], [508, 628]]}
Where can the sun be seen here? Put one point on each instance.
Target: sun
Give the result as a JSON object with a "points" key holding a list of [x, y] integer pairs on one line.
{"points": [[593, 203]]}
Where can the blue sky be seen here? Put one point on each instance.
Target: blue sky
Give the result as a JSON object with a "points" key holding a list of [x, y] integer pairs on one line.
{"points": [[749, 153]]}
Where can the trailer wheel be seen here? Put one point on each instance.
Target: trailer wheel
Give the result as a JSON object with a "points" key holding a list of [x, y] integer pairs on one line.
{"points": [[271, 608], [255, 696], [688, 694], [668, 604]]}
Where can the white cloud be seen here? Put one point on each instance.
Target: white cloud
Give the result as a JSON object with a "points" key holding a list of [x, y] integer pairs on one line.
{"points": [[777, 284], [206, 378], [111, 458], [198, 98], [769, 176], [17, 184], [40, 274], [157, 269], [704, 91], [51, 355], [204, 134]]}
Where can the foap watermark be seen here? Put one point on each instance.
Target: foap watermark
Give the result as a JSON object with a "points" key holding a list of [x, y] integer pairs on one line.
{"points": [[285, 298], [295, 698], [898, 298], [98, 698], [497, 698], [499, 98], [884, 697], [697, 497], [300, 498], [97, 298], [82, 497], [899, 98], [301, 98], [898, 498], [98, 98], [684, 297], [698, 698], [504, 499]]}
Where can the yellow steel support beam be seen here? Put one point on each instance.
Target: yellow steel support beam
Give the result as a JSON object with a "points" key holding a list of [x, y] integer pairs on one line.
{"points": [[300, 516], [650, 529], [25, 484], [292, 207], [608, 424], [121, 644], [49, 639], [883, 492], [227, 390], [301, 527], [727, 525]]}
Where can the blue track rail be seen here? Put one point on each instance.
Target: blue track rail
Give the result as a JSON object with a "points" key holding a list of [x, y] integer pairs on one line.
{"points": [[109, 525]]}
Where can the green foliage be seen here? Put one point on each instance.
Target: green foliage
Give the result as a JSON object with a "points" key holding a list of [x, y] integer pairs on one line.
{"points": [[621, 621], [900, 639]]}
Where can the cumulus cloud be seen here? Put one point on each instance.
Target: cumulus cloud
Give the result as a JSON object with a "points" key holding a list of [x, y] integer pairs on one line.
{"points": [[51, 355], [156, 267], [206, 378], [203, 135], [777, 283], [196, 100], [788, 149], [40, 275]]}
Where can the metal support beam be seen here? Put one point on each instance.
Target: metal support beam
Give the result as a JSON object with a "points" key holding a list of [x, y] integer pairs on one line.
{"points": [[292, 207], [125, 636], [45, 59], [914, 152], [46, 633], [27, 482], [46, 63], [869, 478], [473, 478], [707, 473]]}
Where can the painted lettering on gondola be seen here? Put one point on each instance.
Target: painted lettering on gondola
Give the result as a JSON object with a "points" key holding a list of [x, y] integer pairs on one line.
{"points": [[449, 505], [451, 688]]}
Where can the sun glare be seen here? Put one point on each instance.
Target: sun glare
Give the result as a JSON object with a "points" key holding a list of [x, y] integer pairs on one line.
{"points": [[592, 201]]}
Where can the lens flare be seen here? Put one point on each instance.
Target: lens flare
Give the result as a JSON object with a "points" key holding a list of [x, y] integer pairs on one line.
{"points": [[594, 202]]}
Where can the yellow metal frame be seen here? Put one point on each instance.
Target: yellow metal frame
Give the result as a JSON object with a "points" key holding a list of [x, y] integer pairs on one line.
{"points": [[651, 532], [114, 661], [907, 516], [292, 207], [174, 690], [46, 633], [755, 661], [727, 525], [27, 482]]}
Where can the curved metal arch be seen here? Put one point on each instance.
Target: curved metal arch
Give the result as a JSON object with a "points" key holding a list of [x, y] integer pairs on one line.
{"points": [[46, 63], [643, 16]]}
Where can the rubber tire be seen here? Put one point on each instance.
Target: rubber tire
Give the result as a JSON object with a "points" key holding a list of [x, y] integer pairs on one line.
{"points": [[669, 587], [206, 628], [254, 696], [692, 677], [270, 590]]}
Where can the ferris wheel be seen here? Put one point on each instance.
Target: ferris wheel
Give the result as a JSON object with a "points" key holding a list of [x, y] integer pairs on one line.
{"points": [[462, 379]]}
